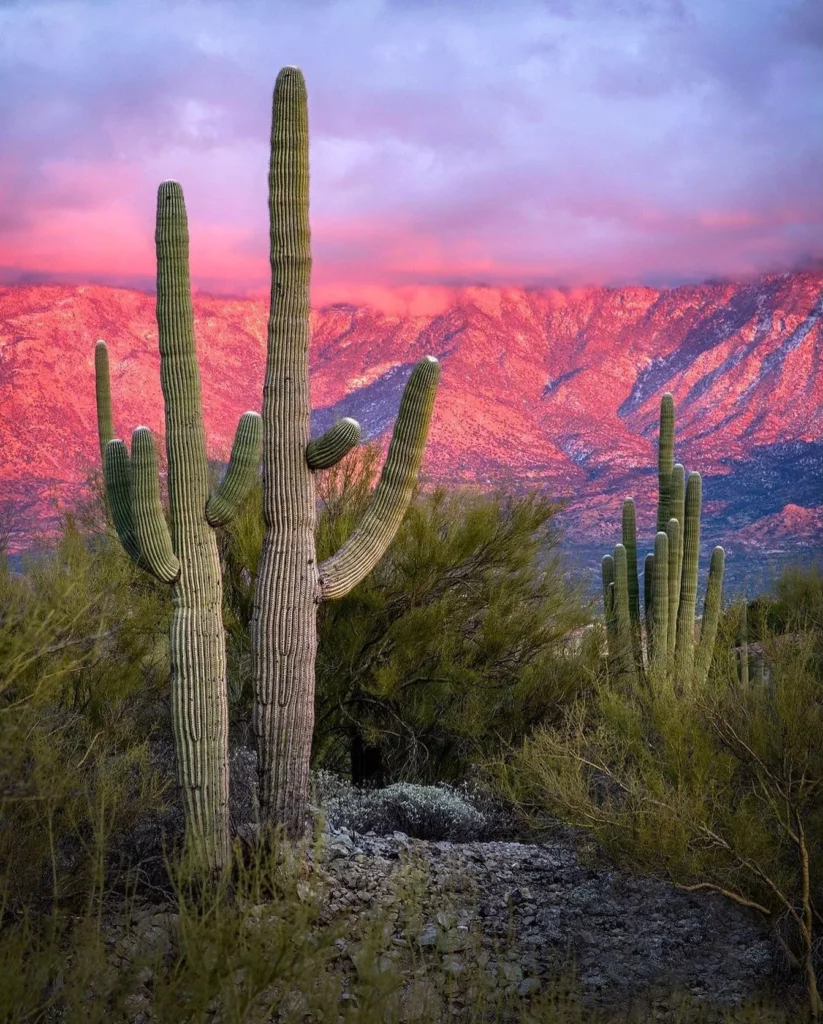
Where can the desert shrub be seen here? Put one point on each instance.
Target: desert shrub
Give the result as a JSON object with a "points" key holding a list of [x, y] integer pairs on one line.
{"points": [[82, 675], [719, 788], [456, 643], [424, 812]]}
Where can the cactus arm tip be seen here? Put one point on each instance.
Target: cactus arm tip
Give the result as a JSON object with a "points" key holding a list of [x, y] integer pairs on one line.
{"points": [[328, 449], [102, 392], [244, 463], [365, 547]]}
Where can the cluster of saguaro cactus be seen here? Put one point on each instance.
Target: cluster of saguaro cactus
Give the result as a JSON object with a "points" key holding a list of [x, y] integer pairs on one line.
{"points": [[290, 584], [187, 557], [670, 580]]}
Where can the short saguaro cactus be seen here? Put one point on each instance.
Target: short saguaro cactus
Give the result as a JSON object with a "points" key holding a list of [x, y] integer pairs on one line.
{"points": [[186, 558]]}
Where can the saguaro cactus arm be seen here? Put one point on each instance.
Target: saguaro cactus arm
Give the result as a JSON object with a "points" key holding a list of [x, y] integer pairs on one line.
{"points": [[102, 388], [328, 449], [152, 531], [665, 461], [607, 573], [648, 603], [711, 615], [684, 641], [117, 479], [660, 629], [367, 544], [244, 463], [674, 535], [625, 658], [629, 526]]}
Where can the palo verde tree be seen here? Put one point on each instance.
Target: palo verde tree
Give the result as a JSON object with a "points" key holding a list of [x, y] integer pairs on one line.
{"points": [[187, 557], [290, 584]]}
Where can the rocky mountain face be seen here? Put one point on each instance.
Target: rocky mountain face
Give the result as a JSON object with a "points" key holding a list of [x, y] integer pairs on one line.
{"points": [[557, 389]]}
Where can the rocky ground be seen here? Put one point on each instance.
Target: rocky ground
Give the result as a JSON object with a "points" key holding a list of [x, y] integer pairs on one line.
{"points": [[522, 911], [532, 908]]}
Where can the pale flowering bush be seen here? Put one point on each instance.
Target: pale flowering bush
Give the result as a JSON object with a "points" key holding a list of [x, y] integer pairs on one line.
{"points": [[423, 812]]}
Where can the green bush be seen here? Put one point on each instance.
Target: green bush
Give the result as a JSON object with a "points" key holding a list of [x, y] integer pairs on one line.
{"points": [[719, 787], [83, 671], [457, 643]]}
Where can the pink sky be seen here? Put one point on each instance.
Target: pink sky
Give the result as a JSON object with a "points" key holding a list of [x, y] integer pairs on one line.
{"points": [[457, 143]]}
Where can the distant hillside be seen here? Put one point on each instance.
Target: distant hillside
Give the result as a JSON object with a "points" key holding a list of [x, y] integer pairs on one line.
{"points": [[557, 389]]}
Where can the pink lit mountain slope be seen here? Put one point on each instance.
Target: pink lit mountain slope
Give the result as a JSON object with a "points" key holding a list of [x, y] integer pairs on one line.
{"points": [[557, 389]]}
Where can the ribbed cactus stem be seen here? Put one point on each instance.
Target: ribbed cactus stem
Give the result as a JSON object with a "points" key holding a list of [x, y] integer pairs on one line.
{"points": [[198, 653], [648, 603], [627, 667], [711, 617], [670, 578], [744, 646], [675, 541], [117, 478], [289, 582], [188, 557], [102, 388], [629, 531], [661, 604], [244, 465], [607, 575], [665, 461], [365, 547], [326, 451], [684, 643], [152, 532]]}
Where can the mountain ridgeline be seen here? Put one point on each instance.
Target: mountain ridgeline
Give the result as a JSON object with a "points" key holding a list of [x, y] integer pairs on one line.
{"points": [[556, 388]]}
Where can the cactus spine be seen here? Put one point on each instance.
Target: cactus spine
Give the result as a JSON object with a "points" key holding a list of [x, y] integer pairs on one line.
{"points": [[290, 584], [186, 558], [670, 579]]}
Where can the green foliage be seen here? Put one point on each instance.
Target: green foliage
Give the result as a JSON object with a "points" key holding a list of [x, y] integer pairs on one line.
{"points": [[456, 643], [84, 682], [83, 661], [718, 786]]}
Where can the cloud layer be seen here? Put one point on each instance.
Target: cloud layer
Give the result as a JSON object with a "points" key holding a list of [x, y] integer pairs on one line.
{"points": [[531, 142]]}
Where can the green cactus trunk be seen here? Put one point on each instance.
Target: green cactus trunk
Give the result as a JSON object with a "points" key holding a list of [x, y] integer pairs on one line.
{"points": [[626, 665], [665, 461], [200, 715], [290, 584], [648, 604], [711, 617], [660, 648], [607, 573], [629, 531], [684, 642], [187, 558]]}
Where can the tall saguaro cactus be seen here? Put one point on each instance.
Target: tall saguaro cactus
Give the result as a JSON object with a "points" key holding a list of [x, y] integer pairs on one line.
{"points": [[290, 584], [670, 583], [186, 558]]}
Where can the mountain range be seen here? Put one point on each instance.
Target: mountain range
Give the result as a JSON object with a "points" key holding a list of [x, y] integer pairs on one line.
{"points": [[557, 389]]}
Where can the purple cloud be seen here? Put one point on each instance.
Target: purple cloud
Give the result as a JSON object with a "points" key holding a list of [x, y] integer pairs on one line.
{"points": [[451, 143]]}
